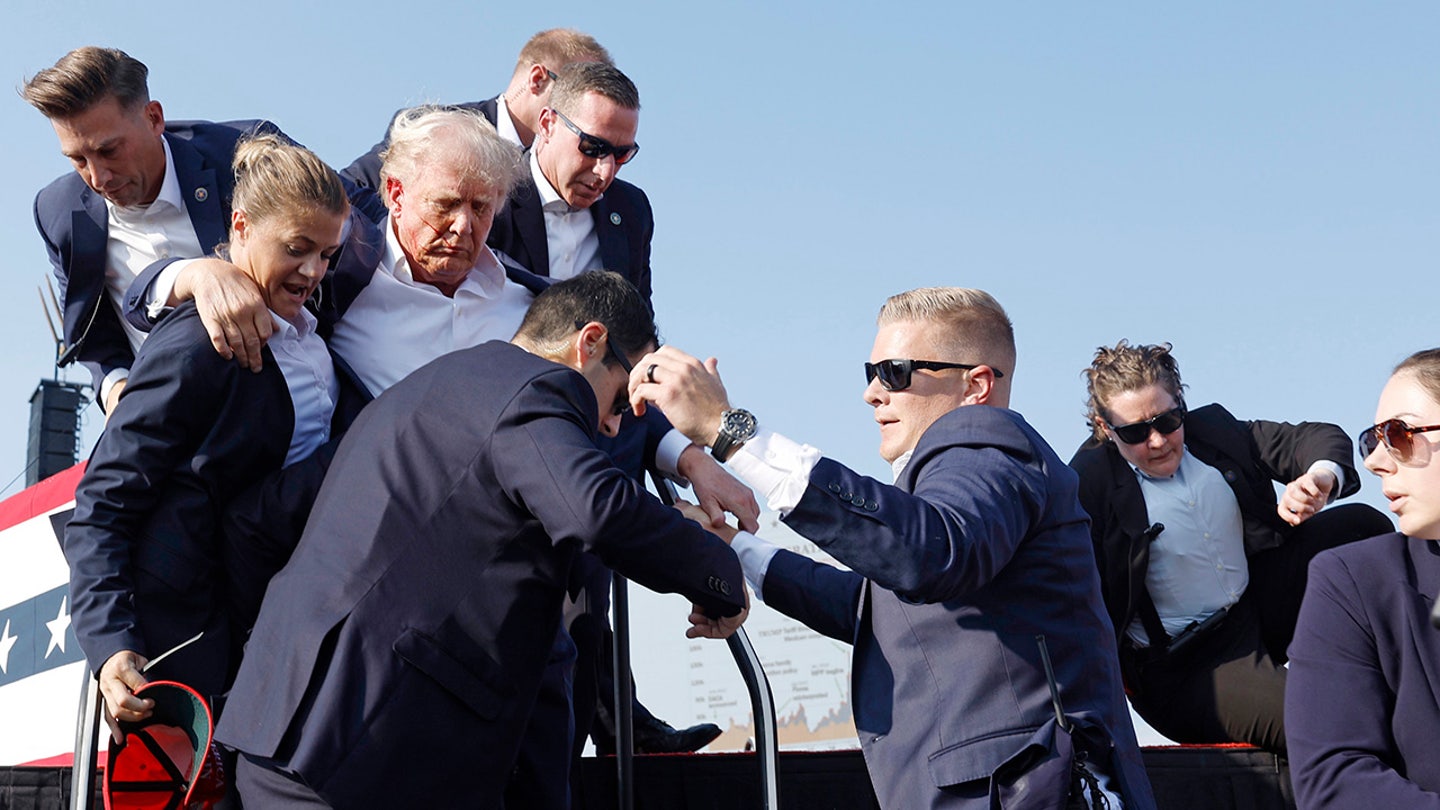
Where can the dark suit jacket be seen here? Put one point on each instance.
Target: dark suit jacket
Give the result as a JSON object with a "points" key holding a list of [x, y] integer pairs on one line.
{"points": [[365, 170], [72, 220], [190, 431], [1250, 455], [624, 224], [979, 547], [1361, 717], [403, 644]]}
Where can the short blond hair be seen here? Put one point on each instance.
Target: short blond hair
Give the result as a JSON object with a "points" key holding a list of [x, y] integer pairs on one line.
{"points": [[973, 325], [468, 138], [558, 47]]}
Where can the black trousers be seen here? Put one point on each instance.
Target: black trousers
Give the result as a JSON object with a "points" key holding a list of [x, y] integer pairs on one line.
{"points": [[1230, 685]]}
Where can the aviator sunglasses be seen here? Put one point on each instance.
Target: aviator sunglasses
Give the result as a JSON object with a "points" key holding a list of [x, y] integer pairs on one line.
{"points": [[1164, 424], [895, 374], [598, 148], [1398, 437]]}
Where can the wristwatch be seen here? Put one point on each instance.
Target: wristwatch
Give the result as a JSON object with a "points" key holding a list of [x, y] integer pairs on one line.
{"points": [[737, 426]]}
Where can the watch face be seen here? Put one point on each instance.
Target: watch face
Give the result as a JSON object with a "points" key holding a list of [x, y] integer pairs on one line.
{"points": [[739, 423]]}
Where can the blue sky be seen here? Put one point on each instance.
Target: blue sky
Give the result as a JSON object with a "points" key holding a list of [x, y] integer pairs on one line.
{"points": [[1255, 183]]}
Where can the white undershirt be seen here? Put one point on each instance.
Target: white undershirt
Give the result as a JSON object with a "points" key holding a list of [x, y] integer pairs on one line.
{"points": [[570, 236], [138, 236]]}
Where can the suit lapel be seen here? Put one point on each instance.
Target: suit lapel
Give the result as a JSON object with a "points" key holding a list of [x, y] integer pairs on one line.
{"points": [[614, 247], [199, 188], [1130, 515], [85, 283], [529, 224]]}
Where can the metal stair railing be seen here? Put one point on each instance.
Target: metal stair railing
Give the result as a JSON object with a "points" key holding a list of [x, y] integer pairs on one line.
{"points": [[762, 702]]}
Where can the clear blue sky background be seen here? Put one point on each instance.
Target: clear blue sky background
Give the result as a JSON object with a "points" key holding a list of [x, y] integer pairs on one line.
{"points": [[1254, 183]]}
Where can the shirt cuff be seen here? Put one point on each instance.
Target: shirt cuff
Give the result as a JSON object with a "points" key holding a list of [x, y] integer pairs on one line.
{"points": [[1326, 464], [157, 298], [667, 455], [755, 555], [116, 375], [776, 467]]}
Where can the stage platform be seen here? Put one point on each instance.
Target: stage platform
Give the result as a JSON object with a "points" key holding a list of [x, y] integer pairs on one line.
{"points": [[1184, 778]]}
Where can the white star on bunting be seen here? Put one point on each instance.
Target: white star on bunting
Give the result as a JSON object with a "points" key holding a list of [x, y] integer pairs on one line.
{"points": [[57, 627], [6, 642]]}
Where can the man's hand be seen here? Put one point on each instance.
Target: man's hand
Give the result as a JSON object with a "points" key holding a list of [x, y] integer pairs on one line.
{"points": [[688, 391], [230, 306], [722, 530], [702, 626], [1305, 496], [119, 678], [718, 492]]}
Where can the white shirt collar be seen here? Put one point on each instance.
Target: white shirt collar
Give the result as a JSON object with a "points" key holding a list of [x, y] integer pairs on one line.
{"points": [[897, 467], [289, 330], [504, 124]]}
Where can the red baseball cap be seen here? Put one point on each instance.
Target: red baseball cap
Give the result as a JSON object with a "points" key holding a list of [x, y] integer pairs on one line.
{"points": [[168, 760]]}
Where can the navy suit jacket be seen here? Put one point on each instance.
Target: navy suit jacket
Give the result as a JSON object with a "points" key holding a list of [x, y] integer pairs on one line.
{"points": [[73, 221], [399, 652], [624, 225], [191, 430], [1362, 721], [979, 547], [1250, 456]]}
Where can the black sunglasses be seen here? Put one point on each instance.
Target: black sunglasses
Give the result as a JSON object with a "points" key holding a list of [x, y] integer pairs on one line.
{"points": [[598, 148], [1399, 438], [895, 374], [1164, 424], [622, 399]]}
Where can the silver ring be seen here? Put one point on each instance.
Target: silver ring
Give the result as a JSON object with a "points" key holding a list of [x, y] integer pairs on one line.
{"points": [[650, 372]]}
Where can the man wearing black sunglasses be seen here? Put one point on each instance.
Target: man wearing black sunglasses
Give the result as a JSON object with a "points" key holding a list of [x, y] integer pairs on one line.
{"points": [[1202, 567], [515, 112], [972, 597], [572, 214]]}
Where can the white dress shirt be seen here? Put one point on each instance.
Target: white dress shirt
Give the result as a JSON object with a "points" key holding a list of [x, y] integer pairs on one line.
{"points": [[779, 469], [310, 376], [398, 324], [504, 125], [570, 236], [139, 235]]}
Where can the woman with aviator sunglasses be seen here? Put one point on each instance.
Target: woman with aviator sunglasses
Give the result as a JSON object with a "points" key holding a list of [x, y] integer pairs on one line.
{"points": [[1201, 568], [1361, 713]]}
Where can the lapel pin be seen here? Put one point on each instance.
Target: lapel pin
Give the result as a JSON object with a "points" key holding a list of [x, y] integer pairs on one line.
{"points": [[202, 194], [614, 219]]}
